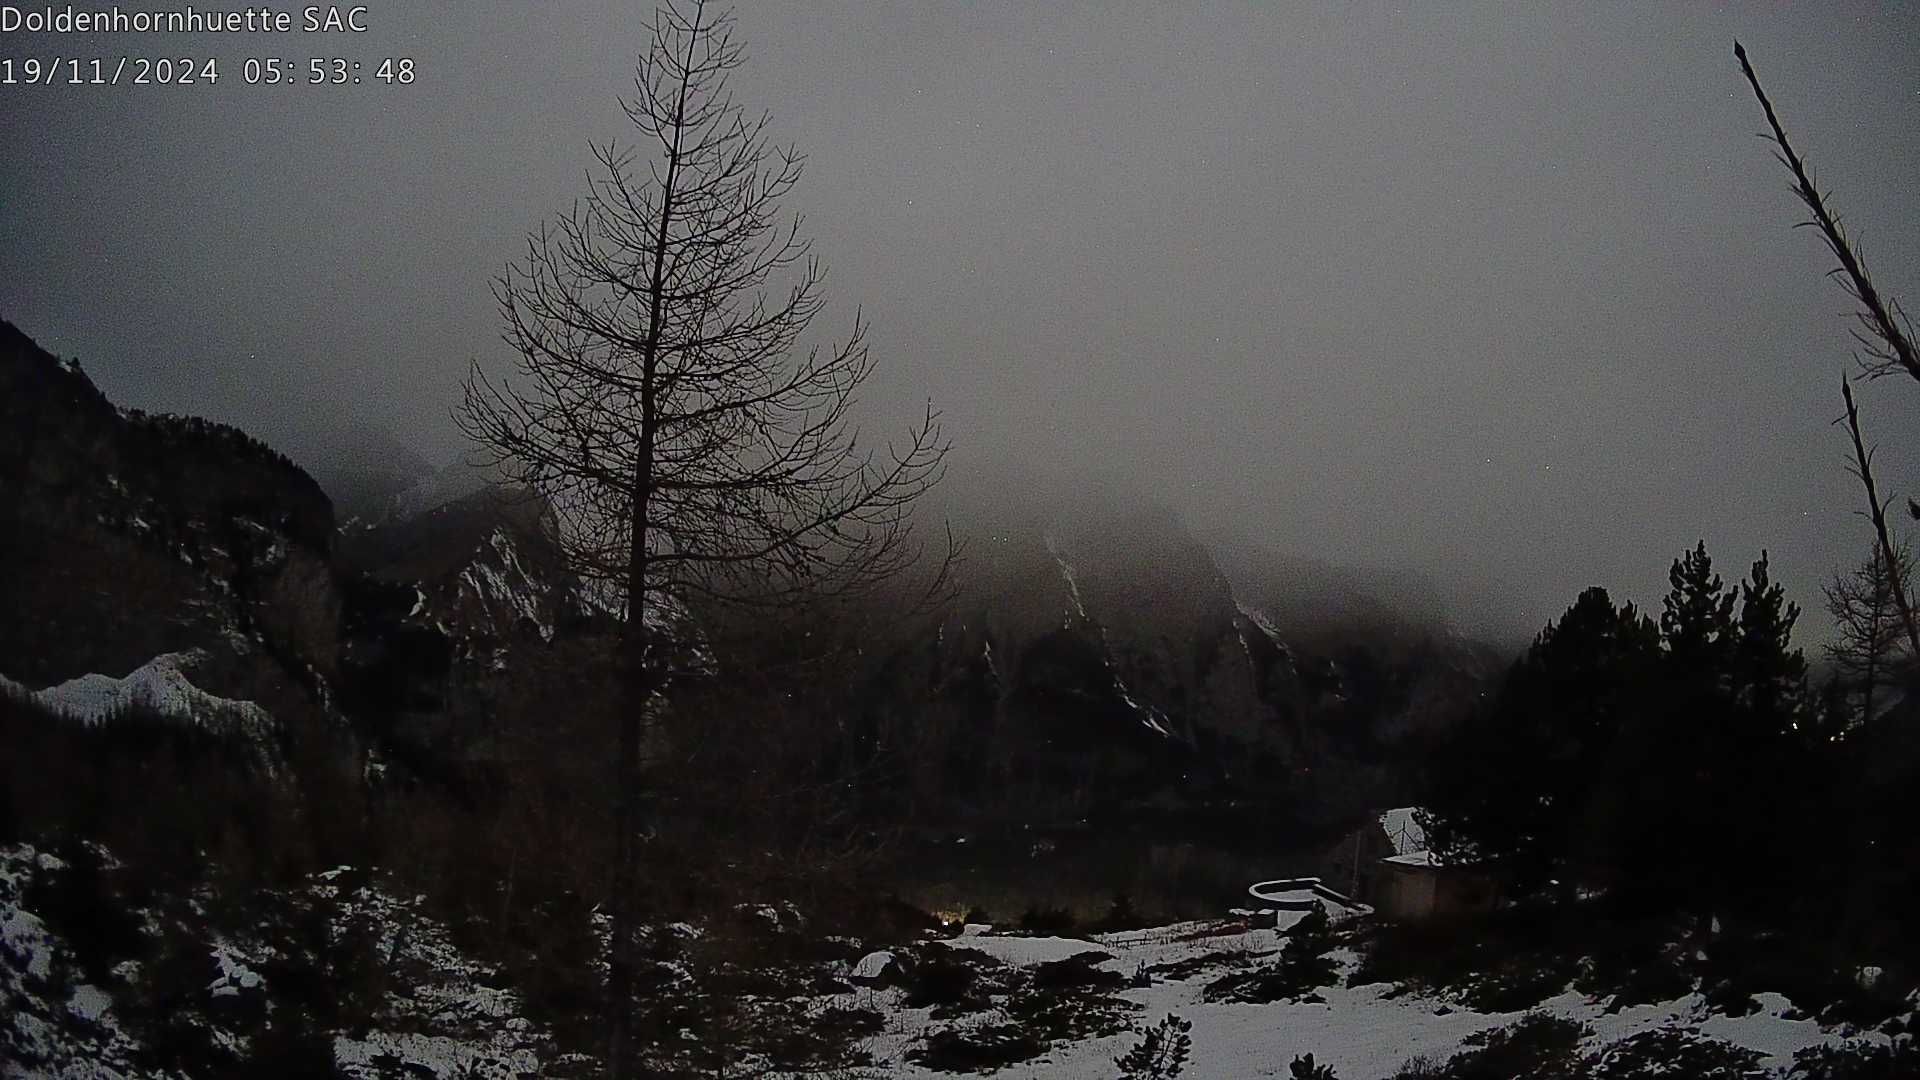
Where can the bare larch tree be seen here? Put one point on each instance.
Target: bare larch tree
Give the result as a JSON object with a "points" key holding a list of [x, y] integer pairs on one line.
{"points": [[691, 445], [1884, 336], [1869, 650]]}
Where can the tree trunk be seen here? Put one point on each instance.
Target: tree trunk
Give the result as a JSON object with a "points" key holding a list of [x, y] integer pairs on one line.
{"points": [[636, 685], [1873, 666], [637, 681]]}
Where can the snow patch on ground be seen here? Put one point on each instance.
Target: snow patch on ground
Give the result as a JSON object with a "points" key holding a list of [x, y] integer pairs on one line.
{"points": [[23, 937], [90, 1003], [442, 1014], [1023, 951], [235, 974], [1403, 831], [872, 965], [1363, 1032]]}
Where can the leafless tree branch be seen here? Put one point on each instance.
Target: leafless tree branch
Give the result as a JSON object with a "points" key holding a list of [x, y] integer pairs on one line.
{"points": [[1876, 512], [691, 449], [1885, 334]]}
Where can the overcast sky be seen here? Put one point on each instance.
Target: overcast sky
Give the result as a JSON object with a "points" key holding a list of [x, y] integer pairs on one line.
{"points": [[1499, 291]]}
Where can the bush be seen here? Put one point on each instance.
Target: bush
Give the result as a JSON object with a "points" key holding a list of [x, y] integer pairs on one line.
{"points": [[849, 1023], [1039, 920], [1636, 977], [1858, 1060], [1121, 915], [1303, 967], [173, 802], [1740, 966], [980, 1049], [81, 904], [1673, 1051], [942, 981], [1077, 972], [1536, 1046], [1419, 1068], [1071, 1003], [294, 1048], [1303, 1068], [1507, 962], [1161, 1052]]}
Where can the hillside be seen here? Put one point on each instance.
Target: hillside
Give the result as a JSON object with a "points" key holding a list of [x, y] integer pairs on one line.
{"points": [[219, 692]]}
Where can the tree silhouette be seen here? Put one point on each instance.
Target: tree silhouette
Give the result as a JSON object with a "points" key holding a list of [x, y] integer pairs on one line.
{"points": [[692, 447], [1516, 784], [1884, 334], [1869, 647], [1769, 673], [1696, 620]]}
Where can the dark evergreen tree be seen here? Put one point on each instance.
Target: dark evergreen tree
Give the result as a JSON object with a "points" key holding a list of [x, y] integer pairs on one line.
{"points": [[1769, 673], [1672, 763], [1707, 803], [1697, 626], [1763, 776], [1516, 786]]}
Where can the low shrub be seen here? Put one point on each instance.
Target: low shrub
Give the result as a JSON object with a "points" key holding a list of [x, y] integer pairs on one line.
{"points": [[1161, 1053], [1304, 1068], [1858, 1059], [944, 978], [1503, 963], [977, 1049], [1536, 1046], [86, 905], [1303, 967], [1080, 971], [1674, 1051], [1121, 915], [1056, 921]]}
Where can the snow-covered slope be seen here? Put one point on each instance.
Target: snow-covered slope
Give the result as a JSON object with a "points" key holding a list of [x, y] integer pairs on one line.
{"points": [[160, 685], [428, 1011], [158, 688], [1364, 1032]]}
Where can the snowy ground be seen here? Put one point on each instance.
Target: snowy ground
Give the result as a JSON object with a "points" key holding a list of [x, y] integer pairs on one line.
{"points": [[440, 1013], [426, 1009], [1364, 1032]]}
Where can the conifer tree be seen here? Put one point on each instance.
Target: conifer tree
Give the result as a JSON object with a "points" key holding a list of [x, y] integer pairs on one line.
{"points": [[1770, 673], [1696, 625], [1514, 786]]}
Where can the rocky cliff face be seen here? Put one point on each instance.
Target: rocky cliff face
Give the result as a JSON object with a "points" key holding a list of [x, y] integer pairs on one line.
{"points": [[455, 615], [128, 536], [1094, 653], [1098, 654]]}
